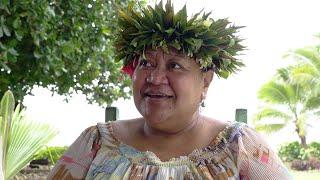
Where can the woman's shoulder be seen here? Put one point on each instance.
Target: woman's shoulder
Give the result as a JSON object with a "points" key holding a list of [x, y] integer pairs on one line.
{"points": [[233, 131], [115, 131]]}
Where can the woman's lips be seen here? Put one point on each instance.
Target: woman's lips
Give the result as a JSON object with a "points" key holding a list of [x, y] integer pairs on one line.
{"points": [[157, 95]]}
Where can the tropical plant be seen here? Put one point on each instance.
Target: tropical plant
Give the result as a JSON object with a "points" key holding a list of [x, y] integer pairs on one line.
{"points": [[65, 46], [292, 151], [21, 138], [53, 154], [286, 102], [301, 158], [307, 72], [293, 95]]}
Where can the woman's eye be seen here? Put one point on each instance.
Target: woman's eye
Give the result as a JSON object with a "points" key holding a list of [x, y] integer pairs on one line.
{"points": [[145, 63], [174, 66]]}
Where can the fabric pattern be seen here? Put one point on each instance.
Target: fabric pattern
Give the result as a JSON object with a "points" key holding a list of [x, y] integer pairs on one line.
{"points": [[238, 152]]}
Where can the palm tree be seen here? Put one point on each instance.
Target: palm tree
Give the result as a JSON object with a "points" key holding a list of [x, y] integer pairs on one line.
{"points": [[286, 102], [307, 72]]}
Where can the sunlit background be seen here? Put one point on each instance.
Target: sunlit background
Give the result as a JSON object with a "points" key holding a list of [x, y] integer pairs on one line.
{"points": [[273, 27]]}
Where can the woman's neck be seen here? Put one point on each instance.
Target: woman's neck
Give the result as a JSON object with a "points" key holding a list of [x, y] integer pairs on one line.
{"points": [[179, 129]]}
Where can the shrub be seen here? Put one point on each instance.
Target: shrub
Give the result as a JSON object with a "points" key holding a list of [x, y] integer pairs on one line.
{"points": [[53, 154], [292, 151], [314, 150]]}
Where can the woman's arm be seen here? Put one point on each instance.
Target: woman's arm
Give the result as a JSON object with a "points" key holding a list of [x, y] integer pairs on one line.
{"points": [[256, 160]]}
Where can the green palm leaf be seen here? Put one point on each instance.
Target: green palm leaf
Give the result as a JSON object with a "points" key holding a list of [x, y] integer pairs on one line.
{"points": [[312, 103], [23, 137], [304, 73], [6, 112], [27, 138], [268, 112], [276, 93], [309, 54], [269, 128]]}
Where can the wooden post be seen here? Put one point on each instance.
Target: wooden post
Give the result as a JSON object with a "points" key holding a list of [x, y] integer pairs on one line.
{"points": [[112, 114], [241, 115]]}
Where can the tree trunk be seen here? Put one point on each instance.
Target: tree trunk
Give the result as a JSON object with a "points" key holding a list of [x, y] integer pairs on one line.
{"points": [[303, 141]]}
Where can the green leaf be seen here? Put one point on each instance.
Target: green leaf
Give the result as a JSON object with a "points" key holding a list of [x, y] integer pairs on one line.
{"points": [[269, 128], [224, 74], [67, 48], [50, 11], [18, 35], [275, 92], [1, 32], [16, 23], [5, 66], [106, 31], [37, 54], [6, 30], [268, 112], [3, 47], [169, 31], [312, 103], [24, 143], [6, 113], [13, 52]]}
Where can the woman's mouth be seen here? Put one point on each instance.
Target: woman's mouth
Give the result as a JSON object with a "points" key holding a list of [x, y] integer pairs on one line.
{"points": [[157, 95]]}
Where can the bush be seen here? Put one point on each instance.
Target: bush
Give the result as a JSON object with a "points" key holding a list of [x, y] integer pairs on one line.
{"points": [[53, 154], [314, 150], [292, 151], [301, 159]]}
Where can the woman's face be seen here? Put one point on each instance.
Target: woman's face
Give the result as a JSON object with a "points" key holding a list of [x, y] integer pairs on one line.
{"points": [[168, 87]]}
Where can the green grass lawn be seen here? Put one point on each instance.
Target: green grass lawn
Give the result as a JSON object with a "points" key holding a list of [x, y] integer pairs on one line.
{"points": [[306, 175]]}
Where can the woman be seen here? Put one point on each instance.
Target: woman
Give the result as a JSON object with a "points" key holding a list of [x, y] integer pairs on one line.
{"points": [[172, 61]]}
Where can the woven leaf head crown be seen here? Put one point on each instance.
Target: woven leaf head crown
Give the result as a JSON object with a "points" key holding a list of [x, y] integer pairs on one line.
{"points": [[212, 43]]}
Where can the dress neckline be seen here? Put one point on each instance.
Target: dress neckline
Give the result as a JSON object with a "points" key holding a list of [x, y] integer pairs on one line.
{"points": [[183, 159]]}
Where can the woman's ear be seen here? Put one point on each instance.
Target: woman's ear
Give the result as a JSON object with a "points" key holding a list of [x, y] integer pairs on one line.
{"points": [[207, 78]]}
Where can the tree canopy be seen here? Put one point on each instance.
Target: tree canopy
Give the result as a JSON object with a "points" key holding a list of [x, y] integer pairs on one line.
{"points": [[66, 46]]}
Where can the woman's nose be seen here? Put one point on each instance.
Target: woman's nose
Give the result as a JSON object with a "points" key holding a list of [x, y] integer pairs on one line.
{"points": [[157, 77]]}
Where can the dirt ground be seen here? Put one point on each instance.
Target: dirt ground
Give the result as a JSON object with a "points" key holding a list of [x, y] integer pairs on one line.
{"points": [[28, 173]]}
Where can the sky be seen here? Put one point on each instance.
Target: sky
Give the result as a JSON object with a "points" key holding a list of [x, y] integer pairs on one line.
{"points": [[272, 28]]}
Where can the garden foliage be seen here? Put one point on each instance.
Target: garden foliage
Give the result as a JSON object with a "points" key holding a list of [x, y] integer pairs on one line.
{"points": [[66, 46], [299, 157], [53, 154]]}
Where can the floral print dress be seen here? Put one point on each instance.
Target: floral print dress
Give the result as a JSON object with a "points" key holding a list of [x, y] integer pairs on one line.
{"points": [[238, 152]]}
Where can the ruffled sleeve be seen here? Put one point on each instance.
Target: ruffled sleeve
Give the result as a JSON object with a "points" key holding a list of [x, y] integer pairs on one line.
{"points": [[76, 161], [256, 160]]}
